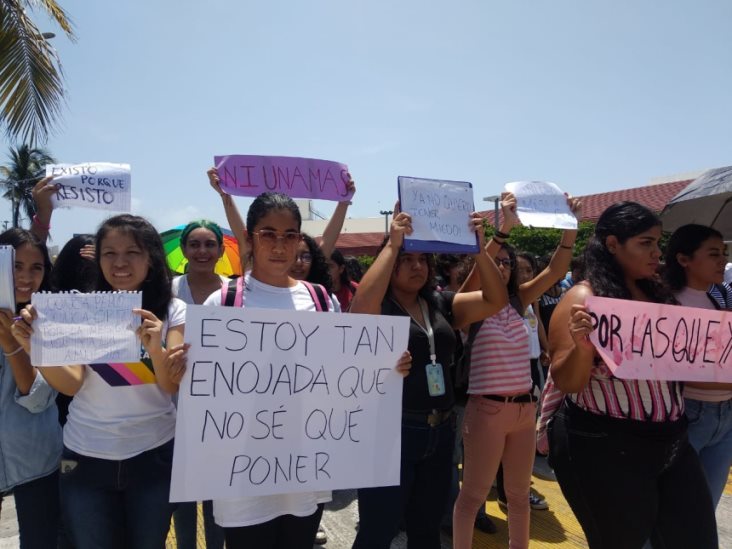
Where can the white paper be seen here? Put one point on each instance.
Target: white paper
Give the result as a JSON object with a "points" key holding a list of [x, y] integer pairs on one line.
{"points": [[542, 204], [7, 286], [440, 210], [96, 185], [94, 328], [279, 401]]}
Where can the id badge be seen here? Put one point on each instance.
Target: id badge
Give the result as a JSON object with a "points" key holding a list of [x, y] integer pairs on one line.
{"points": [[435, 379]]}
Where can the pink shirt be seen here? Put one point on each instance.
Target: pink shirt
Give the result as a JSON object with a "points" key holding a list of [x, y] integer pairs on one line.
{"points": [[500, 362]]}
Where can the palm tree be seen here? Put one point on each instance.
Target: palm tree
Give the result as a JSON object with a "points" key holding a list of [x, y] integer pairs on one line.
{"points": [[19, 176], [31, 79]]}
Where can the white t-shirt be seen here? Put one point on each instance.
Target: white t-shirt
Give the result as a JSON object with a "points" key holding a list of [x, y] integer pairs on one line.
{"points": [[120, 411], [258, 509], [182, 290]]}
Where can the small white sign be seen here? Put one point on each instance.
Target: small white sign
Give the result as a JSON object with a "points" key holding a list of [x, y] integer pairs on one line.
{"points": [[94, 328], [97, 185], [542, 204], [278, 402]]}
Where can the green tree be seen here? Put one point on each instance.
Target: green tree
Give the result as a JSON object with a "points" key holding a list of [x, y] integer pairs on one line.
{"points": [[541, 242], [31, 78], [19, 176]]}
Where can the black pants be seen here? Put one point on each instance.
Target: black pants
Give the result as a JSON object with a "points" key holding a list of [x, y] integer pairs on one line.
{"points": [[283, 532], [629, 481], [37, 505]]}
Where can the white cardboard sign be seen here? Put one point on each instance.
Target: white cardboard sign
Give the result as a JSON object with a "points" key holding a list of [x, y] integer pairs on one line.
{"points": [[96, 185], [76, 328], [542, 204], [277, 402]]}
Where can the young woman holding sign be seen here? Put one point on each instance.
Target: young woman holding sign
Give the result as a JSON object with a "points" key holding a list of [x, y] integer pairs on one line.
{"points": [[118, 440], [400, 283], [695, 260], [500, 418], [283, 521], [30, 435], [619, 447]]}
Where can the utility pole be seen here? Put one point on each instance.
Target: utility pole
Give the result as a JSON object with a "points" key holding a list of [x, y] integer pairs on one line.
{"points": [[386, 214]]}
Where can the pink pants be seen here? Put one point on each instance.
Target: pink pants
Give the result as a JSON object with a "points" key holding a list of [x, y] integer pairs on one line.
{"points": [[495, 432]]}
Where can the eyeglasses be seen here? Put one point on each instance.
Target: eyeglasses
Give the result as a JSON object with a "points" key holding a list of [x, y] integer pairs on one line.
{"points": [[271, 237], [304, 257], [507, 263]]}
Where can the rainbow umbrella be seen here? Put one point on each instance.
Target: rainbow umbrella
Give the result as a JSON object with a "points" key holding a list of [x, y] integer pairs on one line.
{"points": [[228, 265]]}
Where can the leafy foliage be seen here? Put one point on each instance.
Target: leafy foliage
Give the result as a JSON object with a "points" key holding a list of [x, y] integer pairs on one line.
{"points": [[31, 78], [542, 242], [19, 176]]}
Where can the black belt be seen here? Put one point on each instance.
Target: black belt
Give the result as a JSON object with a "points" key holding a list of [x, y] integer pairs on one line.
{"points": [[433, 418], [526, 397]]}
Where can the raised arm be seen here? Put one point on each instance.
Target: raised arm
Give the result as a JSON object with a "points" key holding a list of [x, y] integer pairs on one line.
{"points": [[533, 289], [375, 282], [42, 193], [469, 307], [233, 218], [333, 229], [571, 351]]}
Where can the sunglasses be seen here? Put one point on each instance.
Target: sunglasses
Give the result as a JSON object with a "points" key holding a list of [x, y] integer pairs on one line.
{"points": [[304, 257], [507, 263], [271, 237]]}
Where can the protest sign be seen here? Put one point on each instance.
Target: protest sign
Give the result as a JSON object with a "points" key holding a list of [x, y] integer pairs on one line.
{"points": [[277, 402], [75, 328], [542, 204], [440, 213], [639, 340], [246, 175], [7, 284], [96, 185]]}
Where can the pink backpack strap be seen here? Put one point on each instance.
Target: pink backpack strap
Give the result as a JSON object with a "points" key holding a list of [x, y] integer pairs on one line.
{"points": [[232, 293], [318, 295]]}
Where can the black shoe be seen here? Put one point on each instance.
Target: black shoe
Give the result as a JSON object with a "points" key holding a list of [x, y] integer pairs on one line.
{"points": [[484, 523]]}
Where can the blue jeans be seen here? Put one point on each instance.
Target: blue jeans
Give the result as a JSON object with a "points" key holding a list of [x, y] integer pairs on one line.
{"points": [[710, 433], [117, 504], [185, 519], [420, 498], [37, 506]]}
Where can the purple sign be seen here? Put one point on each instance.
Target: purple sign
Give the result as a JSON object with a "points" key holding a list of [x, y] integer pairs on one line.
{"points": [[245, 175]]}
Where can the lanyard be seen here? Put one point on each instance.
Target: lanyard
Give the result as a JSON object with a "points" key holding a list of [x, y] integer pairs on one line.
{"points": [[427, 328]]}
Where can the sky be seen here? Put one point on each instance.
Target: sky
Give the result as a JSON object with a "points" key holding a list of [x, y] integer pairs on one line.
{"points": [[594, 96]]}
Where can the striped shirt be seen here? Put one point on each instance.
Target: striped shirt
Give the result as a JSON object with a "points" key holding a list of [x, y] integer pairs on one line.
{"points": [[499, 362], [641, 400]]}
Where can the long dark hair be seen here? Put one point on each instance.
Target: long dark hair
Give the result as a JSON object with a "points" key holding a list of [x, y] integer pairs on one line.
{"points": [[426, 292], [622, 220], [16, 238], [319, 273], [345, 277], [512, 286], [686, 240], [71, 271], [267, 202], [156, 290]]}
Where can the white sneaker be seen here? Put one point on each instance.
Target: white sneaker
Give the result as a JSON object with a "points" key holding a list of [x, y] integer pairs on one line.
{"points": [[537, 502]]}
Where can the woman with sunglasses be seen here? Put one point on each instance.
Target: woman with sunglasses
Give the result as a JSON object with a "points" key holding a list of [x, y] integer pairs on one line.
{"points": [[500, 417], [282, 521]]}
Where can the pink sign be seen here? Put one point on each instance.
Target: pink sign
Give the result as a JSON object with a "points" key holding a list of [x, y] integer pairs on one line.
{"points": [[640, 340], [244, 175]]}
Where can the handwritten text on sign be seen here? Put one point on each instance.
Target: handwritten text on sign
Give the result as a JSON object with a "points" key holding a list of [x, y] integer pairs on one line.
{"points": [[277, 402], [90, 328], [440, 210], [97, 185], [296, 177], [652, 341], [542, 204]]}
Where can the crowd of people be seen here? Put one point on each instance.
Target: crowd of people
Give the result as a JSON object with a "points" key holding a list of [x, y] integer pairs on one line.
{"points": [[499, 366]]}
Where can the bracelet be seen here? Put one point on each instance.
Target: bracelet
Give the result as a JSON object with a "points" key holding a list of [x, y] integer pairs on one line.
{"points": [[501, 234], [498, 239], [566, 247], [41, 225], [13, 353]]}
